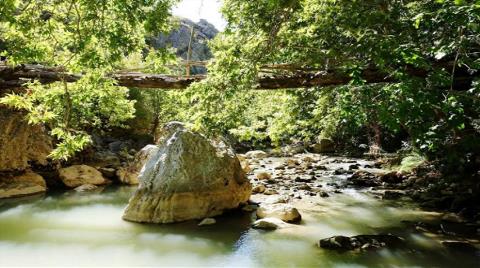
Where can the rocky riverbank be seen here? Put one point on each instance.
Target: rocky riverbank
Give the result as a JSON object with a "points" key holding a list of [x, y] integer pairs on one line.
{"points": [[289, 186], [298, 184]]}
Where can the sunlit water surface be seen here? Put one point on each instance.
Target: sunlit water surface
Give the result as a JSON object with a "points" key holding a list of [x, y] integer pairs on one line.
{"points": [[86, 229]]}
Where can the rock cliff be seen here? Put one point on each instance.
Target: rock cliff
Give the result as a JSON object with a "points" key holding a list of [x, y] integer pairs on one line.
{"points": [[180, 37], [21, 144]]}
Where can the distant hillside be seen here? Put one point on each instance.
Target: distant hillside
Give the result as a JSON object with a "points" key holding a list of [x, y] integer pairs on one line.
{"points": [[180, 37]]}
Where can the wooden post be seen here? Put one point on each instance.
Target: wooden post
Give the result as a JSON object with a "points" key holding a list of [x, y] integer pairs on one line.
{"points": [[189, 53]]}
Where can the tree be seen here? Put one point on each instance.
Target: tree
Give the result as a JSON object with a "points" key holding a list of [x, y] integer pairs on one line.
{"points": [[439, 112], [83, 36]]}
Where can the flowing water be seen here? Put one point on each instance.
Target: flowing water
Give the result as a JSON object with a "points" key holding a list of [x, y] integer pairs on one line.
{"points": [[69, 228]]}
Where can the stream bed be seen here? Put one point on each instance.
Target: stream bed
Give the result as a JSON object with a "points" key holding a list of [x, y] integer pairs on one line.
{"points": [[86, 229]]}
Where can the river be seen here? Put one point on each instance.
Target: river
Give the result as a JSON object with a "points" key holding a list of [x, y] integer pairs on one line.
{"points": [[86, 229]]}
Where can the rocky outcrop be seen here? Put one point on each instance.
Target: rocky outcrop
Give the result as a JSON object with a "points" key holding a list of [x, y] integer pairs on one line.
{"points": [[179, 39], [21, 144], [129, 174], [28, 183], [189, 177], [78, 175]]}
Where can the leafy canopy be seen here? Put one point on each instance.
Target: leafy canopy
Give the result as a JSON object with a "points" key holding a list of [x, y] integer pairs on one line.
{"points": [[440, 38], [92, 37]]}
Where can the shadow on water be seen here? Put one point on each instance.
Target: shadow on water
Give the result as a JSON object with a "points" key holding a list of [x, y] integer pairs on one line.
{"points": [[62, 226], [86, 217]]}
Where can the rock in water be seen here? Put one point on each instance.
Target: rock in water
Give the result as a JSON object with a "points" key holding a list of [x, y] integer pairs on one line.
{"points": [[362, 242], [78, 175], [207, 221], [283, 212], [86, 188], [28, 183], [190, 177], [256, 154], [129, 174], [269, 224]]}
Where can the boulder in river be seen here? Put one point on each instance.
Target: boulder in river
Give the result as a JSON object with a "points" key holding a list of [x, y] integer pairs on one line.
{"points": [[78, 175], [323, 146], [284, 212], [263, 176], [129, 174], [256, 154], [392, 177], [28, 183], [269, 224], [189, 177], [259, 189], [363, 178]]}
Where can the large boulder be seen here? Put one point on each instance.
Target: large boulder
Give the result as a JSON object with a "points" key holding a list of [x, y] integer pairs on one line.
{"points": [[189, 177], [130, 173], [323, 146], [78, 175], [28, 183]]}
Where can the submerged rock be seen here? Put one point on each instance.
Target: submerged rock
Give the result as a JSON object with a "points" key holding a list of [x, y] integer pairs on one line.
{"points": [[460, 247], [269, 224], [363, 242], [129, 174], [28, 183], [78, 175], [363, 178], [87, 188], [189, 177], [249, 208], [207, 221], [284, 212]]}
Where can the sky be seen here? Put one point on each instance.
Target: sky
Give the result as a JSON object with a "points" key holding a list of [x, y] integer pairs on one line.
{"points": [[195, 10]]}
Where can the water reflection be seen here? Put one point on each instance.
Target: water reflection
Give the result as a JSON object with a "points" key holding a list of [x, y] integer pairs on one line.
{"points": [[87, 229]]}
